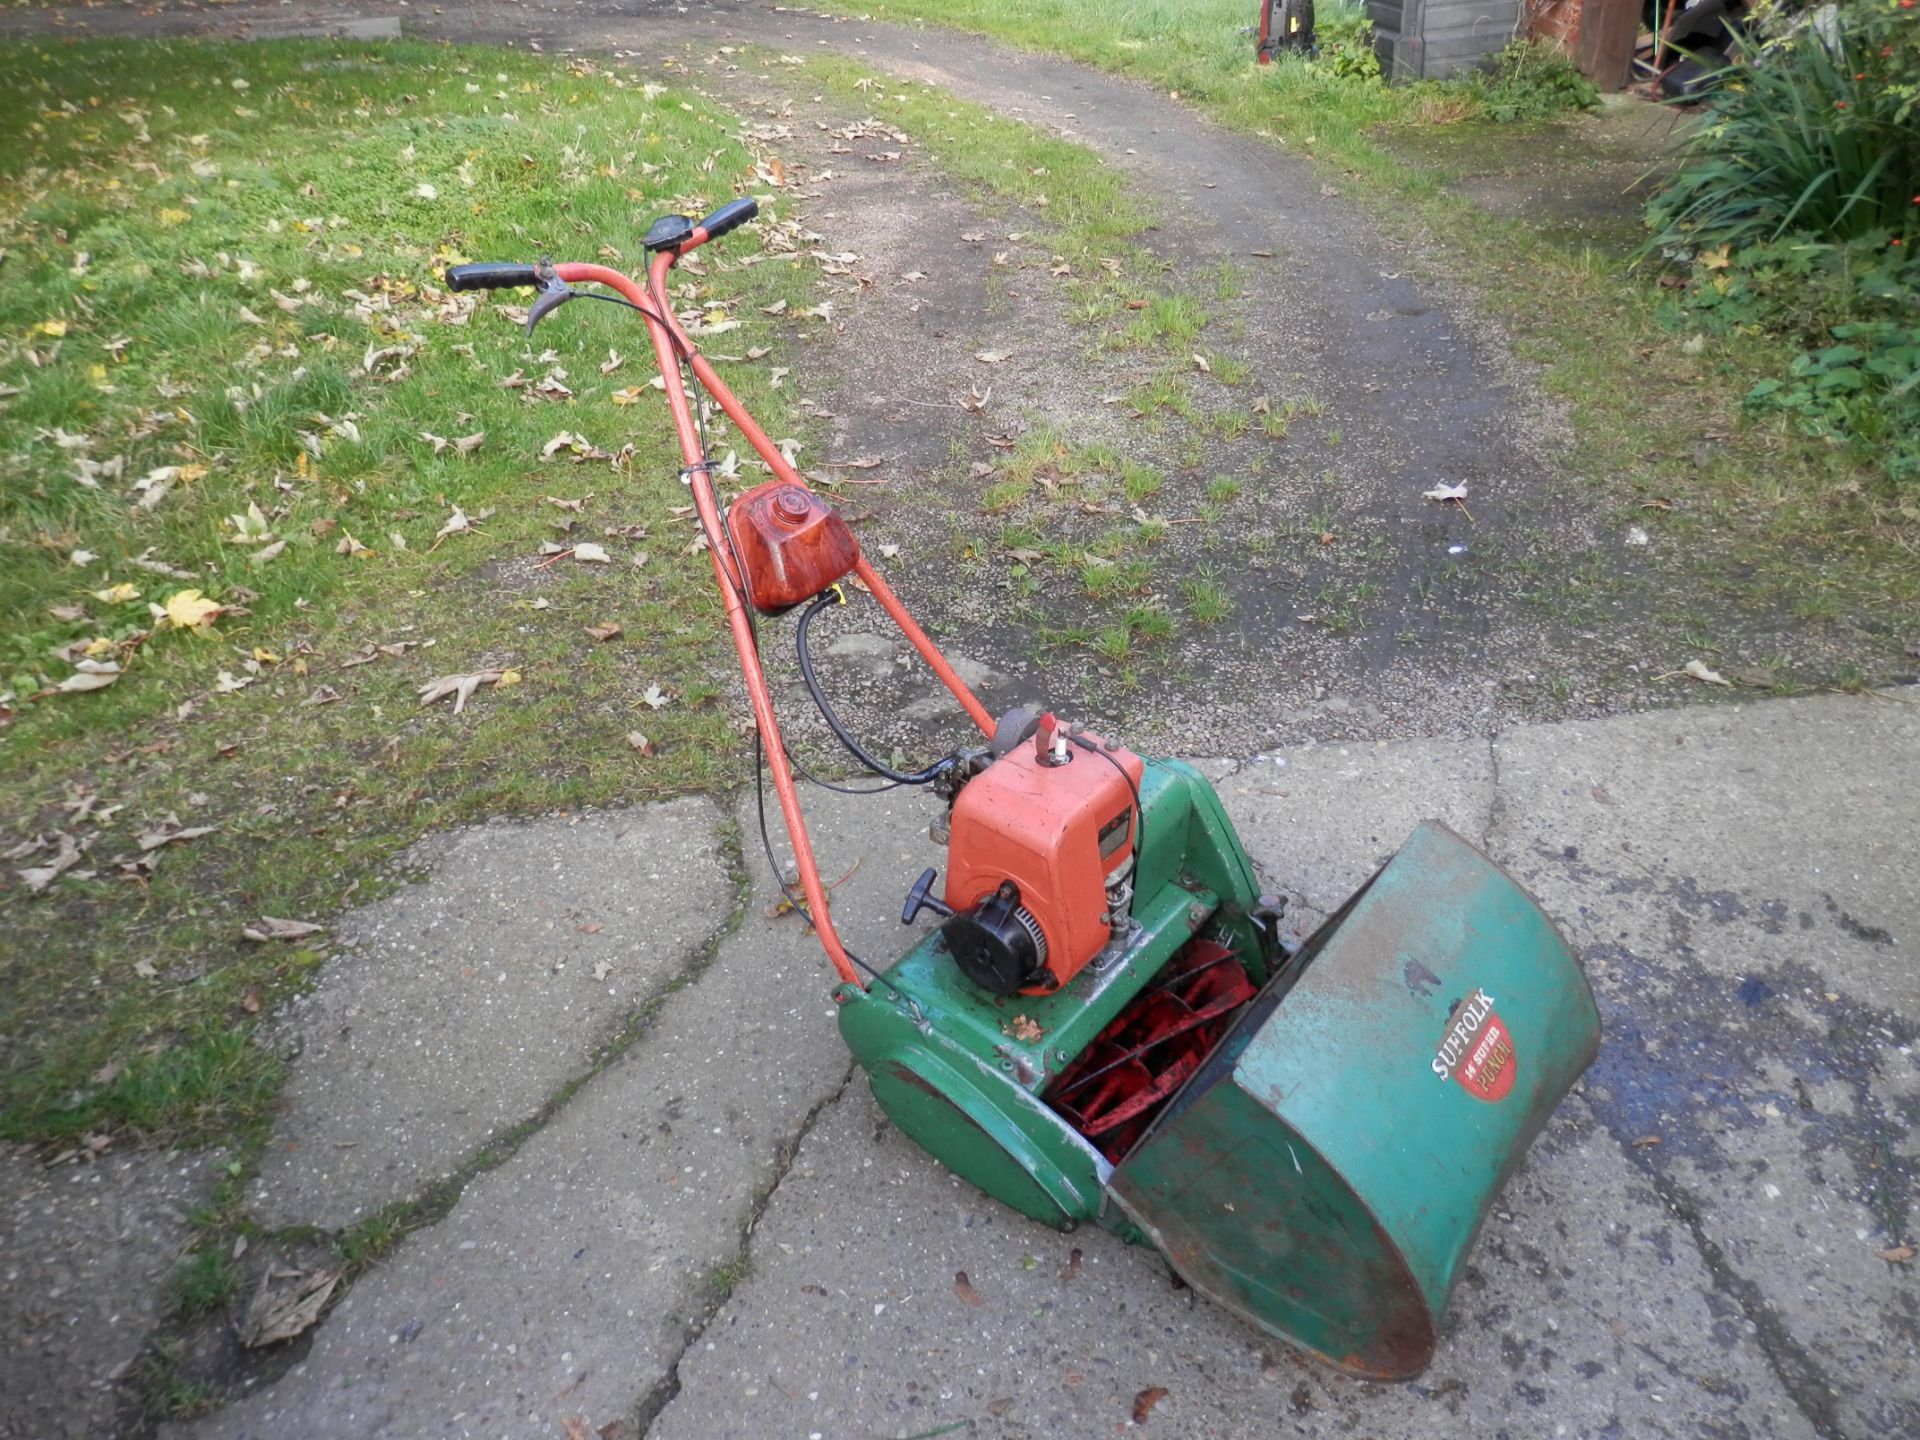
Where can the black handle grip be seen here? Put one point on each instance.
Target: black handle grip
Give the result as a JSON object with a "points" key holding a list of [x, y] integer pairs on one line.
{"points": [[918, 899], [730, 216], [491, 277]]}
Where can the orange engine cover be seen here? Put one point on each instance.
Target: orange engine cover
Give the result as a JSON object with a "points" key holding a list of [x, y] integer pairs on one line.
{"points": [[1055, 831]]}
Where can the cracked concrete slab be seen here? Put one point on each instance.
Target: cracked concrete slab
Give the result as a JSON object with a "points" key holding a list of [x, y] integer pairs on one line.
{"points": [[85, 1250], [455, 1007], [853, 1322], [1798, 816], [565, 1282], [1741, 883]]}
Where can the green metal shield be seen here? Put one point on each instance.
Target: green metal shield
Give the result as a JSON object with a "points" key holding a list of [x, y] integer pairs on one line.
{"points": [[1326, 1170]]}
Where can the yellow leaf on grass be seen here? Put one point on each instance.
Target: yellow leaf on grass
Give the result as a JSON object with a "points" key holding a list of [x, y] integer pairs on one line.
{"points": [[117, 594], [99, 645], [508, 677], [190, 610], [265, 656], [54, 328], [170, 217]]}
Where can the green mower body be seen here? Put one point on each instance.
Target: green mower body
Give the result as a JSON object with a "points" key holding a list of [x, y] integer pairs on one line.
{"points": [[1310, 1134]]}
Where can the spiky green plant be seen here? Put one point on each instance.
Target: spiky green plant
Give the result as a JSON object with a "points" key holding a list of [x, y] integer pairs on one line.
{"points": [[1819, 135]]}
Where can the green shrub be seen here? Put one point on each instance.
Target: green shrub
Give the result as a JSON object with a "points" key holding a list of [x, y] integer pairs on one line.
{"points": [[1529, 80], [1852, 310], [1345, 41], [1795, 211], [1817, 136], [1801, 286], [1863, 390]]}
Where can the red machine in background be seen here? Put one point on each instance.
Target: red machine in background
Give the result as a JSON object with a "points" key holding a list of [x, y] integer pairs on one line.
{"points": [[1284, 25]]}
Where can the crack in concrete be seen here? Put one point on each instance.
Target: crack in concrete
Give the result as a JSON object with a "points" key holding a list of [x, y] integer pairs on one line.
{"points": [[1799, 1374], [388, 1228], [439, 1198], [1496, 794], [662, 1392]]}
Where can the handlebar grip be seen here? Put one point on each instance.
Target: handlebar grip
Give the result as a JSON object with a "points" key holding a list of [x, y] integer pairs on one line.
{"points": [[730, 216], [490, 277]]}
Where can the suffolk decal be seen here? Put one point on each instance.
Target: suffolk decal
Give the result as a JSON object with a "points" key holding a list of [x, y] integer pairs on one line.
{"points": [[1477, 1050]]}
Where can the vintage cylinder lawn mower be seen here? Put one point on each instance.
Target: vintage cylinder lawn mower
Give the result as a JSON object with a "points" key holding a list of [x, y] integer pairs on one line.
{"points": [[1107, 1023]]}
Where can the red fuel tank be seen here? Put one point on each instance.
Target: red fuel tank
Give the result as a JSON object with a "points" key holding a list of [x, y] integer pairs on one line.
{"points": [[791, 544]]}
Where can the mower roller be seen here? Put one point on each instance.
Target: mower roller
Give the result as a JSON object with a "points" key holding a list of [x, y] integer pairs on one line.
{"points": [[1108, 1023]]}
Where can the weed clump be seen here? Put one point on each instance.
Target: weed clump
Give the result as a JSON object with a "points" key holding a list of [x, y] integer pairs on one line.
{"points": [[1793, 213]]}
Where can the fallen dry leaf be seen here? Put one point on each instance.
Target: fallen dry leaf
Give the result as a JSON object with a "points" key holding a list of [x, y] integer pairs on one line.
{"points": [[461, 687], [640, 742], [592, 554], [577, 448], [269, 927], [1024, 1029], [1144, 1402], [89, 675], [39, 877], [963, 1287], [1446, 492], [1072, 1267], [1699, 670], [169, 830], [190, 610], [459, 523], [287, 1302], [993, 357], [1898, 1254], [608, 631], [655, 697]]}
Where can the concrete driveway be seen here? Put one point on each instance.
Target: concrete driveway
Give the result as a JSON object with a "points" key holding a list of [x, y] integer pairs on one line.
{"points": [[720, 1235]]}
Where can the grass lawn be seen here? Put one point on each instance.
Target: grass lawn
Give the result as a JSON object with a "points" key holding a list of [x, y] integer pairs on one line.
{"points": [[230, 377], [1800, 525]]}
